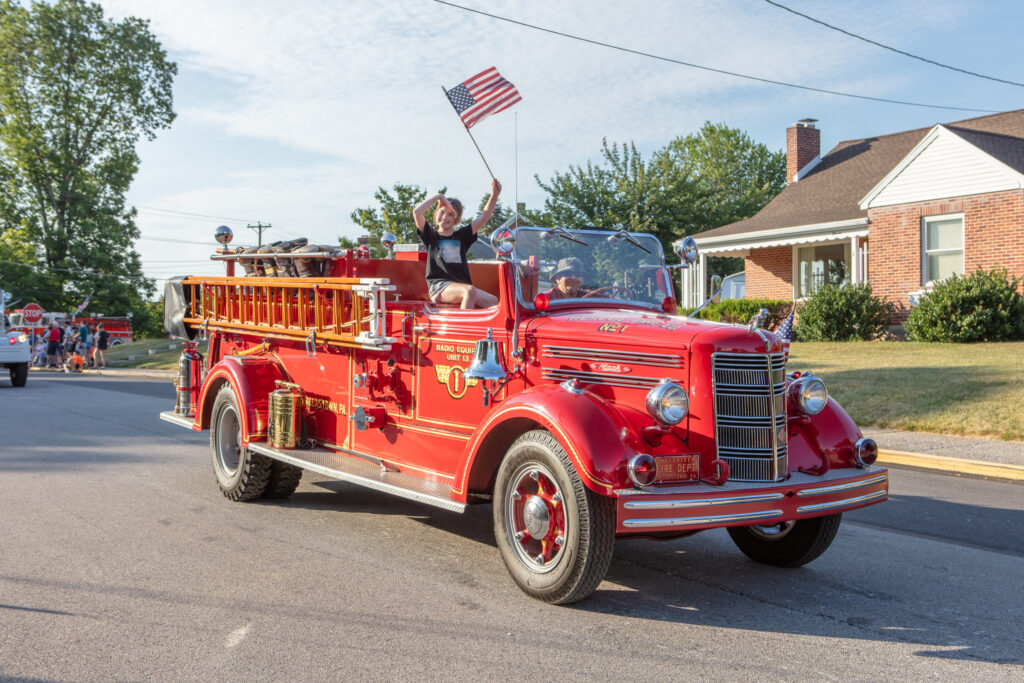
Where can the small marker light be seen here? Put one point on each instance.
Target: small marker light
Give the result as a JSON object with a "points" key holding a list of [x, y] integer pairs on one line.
{"points": [[542, 302], [669, 305], [643, 470]]}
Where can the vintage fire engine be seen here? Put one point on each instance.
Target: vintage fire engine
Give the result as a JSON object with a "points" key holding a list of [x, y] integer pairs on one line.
{"points": [[579, 419]]}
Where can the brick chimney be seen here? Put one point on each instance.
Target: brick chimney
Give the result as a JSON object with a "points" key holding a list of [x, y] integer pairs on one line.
{"points": [[803, 145]]}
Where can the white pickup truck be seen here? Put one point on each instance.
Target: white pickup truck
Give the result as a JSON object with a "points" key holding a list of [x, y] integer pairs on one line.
{"points": [[15, 351]]}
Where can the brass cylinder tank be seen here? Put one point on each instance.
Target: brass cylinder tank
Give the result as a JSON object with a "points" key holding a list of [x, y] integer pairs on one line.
{"points": [[285, 429]]}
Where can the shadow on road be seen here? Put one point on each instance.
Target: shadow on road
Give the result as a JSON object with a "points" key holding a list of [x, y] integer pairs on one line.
{"points": [[705, 580]]}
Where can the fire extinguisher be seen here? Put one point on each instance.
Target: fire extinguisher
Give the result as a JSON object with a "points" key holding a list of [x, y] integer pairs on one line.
{"points": [[190, 379]]}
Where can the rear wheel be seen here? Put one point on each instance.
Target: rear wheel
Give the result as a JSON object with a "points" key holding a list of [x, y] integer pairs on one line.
{"points": [[19, 374], [283, 480], [241, 474], [555, 536], [789, 544]]}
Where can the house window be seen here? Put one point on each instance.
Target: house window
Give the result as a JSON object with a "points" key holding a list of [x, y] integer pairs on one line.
{"points": [[825, 264], [942, 247]]}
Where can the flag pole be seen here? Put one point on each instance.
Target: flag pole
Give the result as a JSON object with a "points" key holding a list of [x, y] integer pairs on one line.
{"points": [[445, 90]]}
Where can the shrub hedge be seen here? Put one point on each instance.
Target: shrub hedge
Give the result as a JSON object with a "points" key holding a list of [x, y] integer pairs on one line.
{"points": [[742, 310], [843, 313], [983, 306]]}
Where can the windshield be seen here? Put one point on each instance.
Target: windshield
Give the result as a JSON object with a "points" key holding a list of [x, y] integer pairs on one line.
{"points": [[590, 266]]}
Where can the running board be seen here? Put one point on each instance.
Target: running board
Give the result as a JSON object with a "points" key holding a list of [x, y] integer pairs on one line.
{"points": [[177, 418], [364, 473]]}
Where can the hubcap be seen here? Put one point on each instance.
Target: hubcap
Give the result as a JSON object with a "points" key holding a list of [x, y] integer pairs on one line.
{"points": [[535, 517], [229, 441], [772, 532]]}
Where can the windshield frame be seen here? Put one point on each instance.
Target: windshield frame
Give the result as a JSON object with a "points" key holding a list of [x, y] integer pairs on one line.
{"points": [[657, 256]]}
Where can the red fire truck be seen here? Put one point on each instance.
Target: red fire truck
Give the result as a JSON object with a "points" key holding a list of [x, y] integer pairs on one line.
{"points": [[578, 419], [119, 328]]}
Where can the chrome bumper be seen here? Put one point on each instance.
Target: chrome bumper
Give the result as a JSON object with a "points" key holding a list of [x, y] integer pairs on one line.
{"points": [[702, 506]]}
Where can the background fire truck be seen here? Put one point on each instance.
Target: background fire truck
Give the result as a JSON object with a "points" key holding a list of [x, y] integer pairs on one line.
{"points": [[119, 328]]}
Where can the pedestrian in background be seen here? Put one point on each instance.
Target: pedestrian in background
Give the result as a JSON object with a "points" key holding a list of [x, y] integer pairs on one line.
{"points": [[52, 346], [101, 347]]}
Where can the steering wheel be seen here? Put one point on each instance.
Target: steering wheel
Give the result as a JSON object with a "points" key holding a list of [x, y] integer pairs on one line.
{"points": [[616, 289]]}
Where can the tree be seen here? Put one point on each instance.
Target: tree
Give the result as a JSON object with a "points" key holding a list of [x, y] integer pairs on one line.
{"points": [[696, 182], [735, 175], [76, 93], [393, 214], [627, 192]]}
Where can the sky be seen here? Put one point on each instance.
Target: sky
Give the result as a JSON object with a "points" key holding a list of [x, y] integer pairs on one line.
{"points": [[295, 113]]}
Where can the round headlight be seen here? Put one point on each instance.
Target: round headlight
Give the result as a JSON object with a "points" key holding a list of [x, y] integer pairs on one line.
{"points": [[811, 394], [667, 403], [23, 338]]}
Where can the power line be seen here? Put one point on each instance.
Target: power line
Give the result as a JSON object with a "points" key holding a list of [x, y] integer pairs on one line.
{"points": [[708, 68], [74, 270], [199, 215], [893, 49]]}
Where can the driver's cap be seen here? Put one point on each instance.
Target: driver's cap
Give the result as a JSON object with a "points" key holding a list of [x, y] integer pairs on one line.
{"points": [[568, 263]]}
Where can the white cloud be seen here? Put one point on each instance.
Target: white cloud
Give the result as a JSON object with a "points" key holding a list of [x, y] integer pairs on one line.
{"points": [[358, 83]]}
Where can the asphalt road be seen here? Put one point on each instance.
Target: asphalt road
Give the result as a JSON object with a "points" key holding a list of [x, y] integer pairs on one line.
{"points": [[120, 559]]}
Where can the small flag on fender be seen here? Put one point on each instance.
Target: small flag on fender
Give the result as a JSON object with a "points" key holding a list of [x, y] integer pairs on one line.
{"points": [[785, 332], [482, 95]]}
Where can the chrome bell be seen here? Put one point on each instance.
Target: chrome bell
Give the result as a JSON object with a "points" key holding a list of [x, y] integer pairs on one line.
{"points": [[486, 365]]}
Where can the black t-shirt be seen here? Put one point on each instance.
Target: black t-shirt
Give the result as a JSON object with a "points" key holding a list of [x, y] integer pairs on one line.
{"points": [[101, 340], [446, 256]]}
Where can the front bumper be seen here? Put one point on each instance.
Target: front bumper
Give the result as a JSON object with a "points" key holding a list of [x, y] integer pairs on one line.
{"points": [[693, 507]]}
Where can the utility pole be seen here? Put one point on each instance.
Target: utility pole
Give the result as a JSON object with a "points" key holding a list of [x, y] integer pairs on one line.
{"points": [[259, 228]]}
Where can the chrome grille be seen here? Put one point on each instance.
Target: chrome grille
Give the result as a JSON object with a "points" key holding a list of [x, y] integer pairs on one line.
{"points": [[750, 411]]}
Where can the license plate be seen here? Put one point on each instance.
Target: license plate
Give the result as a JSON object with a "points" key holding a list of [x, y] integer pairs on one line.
{"points": [[684, 467]]}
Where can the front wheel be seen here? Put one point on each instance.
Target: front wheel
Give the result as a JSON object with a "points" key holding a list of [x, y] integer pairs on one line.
{"points": [[789, 544], [555, 536], [241, 474], [19, 374]]}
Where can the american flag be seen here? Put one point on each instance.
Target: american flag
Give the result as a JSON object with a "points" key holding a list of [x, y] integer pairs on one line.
{"points": [[785, 332], [482, 95], [84, 304]]}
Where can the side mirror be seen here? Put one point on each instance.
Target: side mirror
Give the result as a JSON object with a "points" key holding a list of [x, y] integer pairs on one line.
{"points": [[223, 234], [503, 242], [686, 250], [716, 289]]}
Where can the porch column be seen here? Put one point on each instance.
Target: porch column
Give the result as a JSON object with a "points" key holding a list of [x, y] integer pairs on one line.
{"points": [[855, 260], [702, 283]]}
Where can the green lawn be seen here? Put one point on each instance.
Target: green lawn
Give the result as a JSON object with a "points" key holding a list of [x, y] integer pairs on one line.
{"points": [[966, 389], [165, 358]]}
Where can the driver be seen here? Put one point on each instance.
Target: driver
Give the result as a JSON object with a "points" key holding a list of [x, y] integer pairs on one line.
{"points": [[568, 278]]}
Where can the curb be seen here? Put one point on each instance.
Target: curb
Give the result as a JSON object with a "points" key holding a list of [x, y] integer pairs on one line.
{"points": [[942, 463], [133, 372]]}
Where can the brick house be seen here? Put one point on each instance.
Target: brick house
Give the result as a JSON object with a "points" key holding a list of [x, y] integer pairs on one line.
{"points": [[899, 211]]}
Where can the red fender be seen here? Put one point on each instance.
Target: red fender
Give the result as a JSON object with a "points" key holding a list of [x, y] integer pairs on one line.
{"points": [[252, 380], [823, 442], [597, 439]]}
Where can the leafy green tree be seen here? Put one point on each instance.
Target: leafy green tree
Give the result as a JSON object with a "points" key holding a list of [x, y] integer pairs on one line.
{"points": [[624, 192], [76, 93], [734, 175], [696, 182], [393, 214]]}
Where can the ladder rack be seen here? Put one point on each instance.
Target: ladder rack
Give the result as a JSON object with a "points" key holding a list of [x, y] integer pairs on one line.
{"points": [[337, 311]]}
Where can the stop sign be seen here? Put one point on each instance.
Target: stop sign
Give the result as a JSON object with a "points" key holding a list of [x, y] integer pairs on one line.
{"points": [[32, 314]]}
